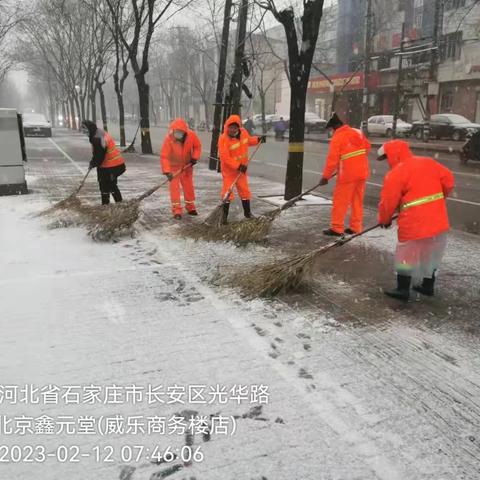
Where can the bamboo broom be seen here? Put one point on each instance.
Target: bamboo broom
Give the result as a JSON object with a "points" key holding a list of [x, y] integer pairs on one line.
{"points": [[282, 277], [109, 221], [70, 203]]}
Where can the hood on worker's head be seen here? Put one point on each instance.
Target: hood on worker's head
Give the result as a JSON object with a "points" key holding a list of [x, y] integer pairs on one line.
{"points": [[179, 124], [90, 127], [231, 120], [395, 151]]}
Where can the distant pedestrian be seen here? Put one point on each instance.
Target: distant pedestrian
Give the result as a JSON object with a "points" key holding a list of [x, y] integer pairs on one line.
{"points": [[249, 126], [279, 128], [107, 159], [418, 188]]}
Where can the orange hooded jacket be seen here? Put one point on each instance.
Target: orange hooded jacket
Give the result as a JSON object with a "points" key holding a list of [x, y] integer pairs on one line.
{"points": [[347, 155], [174, 154], [234, 151], [418, 187]]}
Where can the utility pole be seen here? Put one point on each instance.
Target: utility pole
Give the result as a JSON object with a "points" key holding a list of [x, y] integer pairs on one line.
{"points": [[432, 85], [398, 91], [236, 85], [217, 115], [366, 63]]}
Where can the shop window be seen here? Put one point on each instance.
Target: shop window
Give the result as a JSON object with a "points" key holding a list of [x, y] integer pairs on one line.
{"points": [[451, 46], [446, 104]]}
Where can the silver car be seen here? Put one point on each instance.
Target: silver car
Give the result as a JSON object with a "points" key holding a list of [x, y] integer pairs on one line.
{"points": [[383, 125]]}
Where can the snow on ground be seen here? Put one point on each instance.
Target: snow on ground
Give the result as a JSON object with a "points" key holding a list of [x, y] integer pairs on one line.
{"points": [[346, 400]]}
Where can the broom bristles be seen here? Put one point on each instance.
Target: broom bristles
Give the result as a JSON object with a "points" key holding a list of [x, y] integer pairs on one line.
{"points": [[70, 203], [245, 231], [275, 278], [215, 218], [106, 222]]}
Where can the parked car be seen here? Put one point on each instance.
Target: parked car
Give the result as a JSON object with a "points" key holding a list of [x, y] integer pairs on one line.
{"points": [[383, 125], [36, 125], [446, 125], [313, 123]]}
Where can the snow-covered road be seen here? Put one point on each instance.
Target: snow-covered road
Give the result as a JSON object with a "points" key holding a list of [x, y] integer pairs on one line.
{"points": [[358, 399]]}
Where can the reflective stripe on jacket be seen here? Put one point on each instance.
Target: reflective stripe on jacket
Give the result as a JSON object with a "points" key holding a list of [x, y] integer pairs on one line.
{"points": [[113, 157], [347, 155], [234, 151], [174, 154], [417, 186]]}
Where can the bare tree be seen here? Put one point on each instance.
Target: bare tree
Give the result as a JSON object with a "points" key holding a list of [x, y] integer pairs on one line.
{"points": [[146, 17], [11, 15], [301, 44]]}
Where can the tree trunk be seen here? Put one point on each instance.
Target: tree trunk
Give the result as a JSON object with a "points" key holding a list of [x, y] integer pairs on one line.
{"points": [[144, 97], [154, 111], [93, 98], [294, 174], [74, 102], [103, 107], [171, 113], [262, 106], [206, 106], [121, 119], [66, 120], [121, 110]]}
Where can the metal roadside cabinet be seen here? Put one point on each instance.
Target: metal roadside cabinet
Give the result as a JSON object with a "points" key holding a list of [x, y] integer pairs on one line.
{"points": [[12, 170]]}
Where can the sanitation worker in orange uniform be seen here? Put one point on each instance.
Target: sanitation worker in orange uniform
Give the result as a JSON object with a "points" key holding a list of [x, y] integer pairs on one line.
{"points": [[348, 158], [180, 148], [418, 188], [233, 152], [107, 159]]}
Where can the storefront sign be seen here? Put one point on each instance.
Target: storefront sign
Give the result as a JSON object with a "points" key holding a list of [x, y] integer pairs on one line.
{"points": [[351, 81]]}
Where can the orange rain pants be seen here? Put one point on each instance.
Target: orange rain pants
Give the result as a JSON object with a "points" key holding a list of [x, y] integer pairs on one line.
{"points": [[185, 180], [348, 194]]}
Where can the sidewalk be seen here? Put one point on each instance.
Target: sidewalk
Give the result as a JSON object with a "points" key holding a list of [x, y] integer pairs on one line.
{"points": [[359, 388]]}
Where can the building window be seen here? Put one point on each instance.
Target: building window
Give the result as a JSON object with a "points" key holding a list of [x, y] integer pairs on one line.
{"points": [[447, 102], [453, 4], [451, 46]]}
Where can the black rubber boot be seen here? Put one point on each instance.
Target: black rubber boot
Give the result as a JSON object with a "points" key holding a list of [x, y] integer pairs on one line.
{"points": [[332, 233], [105, 198], [402, 292], [427, 286], [116, 194], [226, 208], [246, 209]]}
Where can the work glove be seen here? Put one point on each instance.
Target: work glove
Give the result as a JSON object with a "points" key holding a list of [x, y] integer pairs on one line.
{"points": [[386, 225], [193, 161], [324, 181], [242, 168], [91, 164], [169, 176], [263, 138]]}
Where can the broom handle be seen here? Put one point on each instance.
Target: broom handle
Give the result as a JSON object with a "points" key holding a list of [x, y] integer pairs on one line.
{"points": [[343, 241], [156, 187], [82, 183], [229, 191], [294, 200]]}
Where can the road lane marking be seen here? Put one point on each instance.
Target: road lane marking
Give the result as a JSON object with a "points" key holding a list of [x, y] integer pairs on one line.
{"points": [[67, 156]]}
